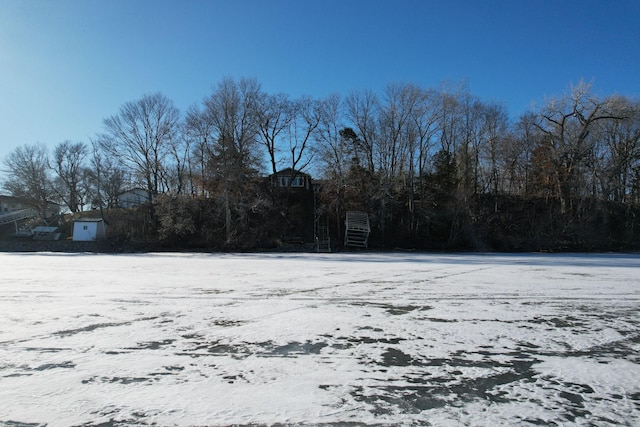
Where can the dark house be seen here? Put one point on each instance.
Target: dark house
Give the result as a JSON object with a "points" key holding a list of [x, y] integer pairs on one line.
{"points": [[295, 192]]}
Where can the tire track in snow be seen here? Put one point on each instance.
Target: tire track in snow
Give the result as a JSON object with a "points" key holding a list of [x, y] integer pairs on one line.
{"points": [[70, 332]]}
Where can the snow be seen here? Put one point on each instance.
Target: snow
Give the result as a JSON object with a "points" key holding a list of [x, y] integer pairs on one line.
{"points": [[384, 339]]}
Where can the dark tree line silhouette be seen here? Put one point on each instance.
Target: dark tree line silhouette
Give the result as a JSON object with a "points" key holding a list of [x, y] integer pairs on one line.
{"points": [[434, 168]]}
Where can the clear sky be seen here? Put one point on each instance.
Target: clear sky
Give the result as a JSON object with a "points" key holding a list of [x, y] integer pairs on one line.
{"points": [[65, 65]]}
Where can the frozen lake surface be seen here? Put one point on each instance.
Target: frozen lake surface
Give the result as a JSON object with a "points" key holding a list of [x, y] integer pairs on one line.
{"points": [[328, 339]]}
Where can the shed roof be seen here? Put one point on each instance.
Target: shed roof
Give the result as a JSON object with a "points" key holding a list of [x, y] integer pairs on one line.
{"points": [[88, 220], [44, 229]]}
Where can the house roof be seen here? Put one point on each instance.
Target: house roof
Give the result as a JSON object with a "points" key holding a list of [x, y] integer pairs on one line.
{"points": [[289, 172], [44, 229], [136, 190]]}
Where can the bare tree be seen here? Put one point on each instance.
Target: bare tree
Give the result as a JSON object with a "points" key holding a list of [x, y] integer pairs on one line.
{"points": [[305, 119], [274, 117], [451, 117], [175, 174], [425, 121], [363, 111], [518, 152], [233, 111], [141, 137], [333, 153], [394, 148], [420, 132], [198, 131], [396, 112], [493, 151], [107, 178], [470, 145], [331, 149], [567, 123], [71, 172], [27, 169], [617, 152]]}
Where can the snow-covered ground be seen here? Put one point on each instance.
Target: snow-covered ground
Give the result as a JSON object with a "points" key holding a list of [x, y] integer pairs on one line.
{"points": [[398, 339]]}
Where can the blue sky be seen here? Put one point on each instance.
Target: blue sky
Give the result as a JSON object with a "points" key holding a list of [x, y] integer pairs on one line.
{"points": [[65, 65]]}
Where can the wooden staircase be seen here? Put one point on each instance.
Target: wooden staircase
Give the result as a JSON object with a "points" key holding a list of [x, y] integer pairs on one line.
{"points": [[17, 216], [323, 241], [357, 229]]}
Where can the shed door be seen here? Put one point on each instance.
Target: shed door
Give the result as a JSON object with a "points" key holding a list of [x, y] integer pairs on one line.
{"points": [[84, 232]]}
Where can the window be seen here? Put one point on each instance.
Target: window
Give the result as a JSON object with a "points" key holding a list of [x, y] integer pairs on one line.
{"points": [[286, 181], [85, 227], [283, 181], [298, 181]]}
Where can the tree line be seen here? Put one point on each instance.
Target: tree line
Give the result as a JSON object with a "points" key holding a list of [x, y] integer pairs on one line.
{"points": [[434, 168]]}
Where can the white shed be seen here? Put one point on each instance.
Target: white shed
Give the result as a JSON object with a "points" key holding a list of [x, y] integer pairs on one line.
{"points": [[89, 229]]}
